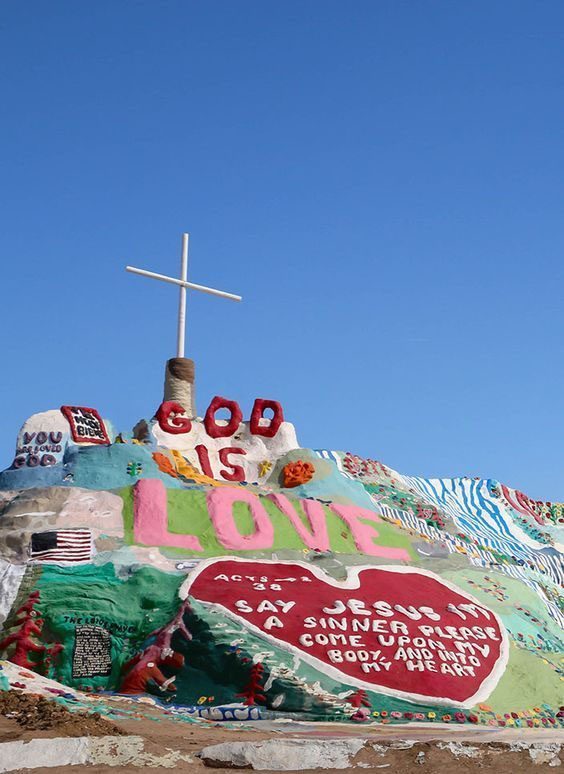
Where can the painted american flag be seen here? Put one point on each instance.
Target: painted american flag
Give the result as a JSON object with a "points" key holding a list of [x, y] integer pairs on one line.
{"points": [[62, 545]]}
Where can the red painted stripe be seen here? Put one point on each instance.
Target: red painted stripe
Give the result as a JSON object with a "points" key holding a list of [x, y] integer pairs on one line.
{"points": [[57, 558], [62, 553]]}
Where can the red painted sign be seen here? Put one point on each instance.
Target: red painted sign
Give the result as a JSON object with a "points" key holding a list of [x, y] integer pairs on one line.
{"points": [[398, 630], [87, 426]]}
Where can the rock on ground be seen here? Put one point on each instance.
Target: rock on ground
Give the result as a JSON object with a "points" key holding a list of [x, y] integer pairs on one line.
{"points": [[284, 754]]}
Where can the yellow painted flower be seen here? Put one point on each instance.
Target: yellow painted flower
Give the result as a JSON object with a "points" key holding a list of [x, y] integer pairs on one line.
{"points": [[264, 467]]}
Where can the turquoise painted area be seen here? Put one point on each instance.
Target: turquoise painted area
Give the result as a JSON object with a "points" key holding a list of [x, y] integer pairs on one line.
{"points": [[128, 605], [91, 467], [328, 483], [113, 467], [336, 488], [28, 478]]}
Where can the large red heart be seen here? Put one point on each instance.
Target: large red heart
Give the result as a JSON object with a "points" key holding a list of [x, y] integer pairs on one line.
{"points": [[398, 630]]}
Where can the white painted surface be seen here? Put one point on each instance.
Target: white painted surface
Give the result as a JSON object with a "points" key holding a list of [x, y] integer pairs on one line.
{"points": [[100, 511], [285, 754], [10, 578], [45, 421], [257, 447], [50, 753], [59, 752]]}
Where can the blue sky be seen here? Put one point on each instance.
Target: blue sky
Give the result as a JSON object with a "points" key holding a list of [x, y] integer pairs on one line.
{"points": [[381, 181]]}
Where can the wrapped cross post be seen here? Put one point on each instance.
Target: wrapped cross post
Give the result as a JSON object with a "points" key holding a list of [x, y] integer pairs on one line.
{"points": [[179, 383]]}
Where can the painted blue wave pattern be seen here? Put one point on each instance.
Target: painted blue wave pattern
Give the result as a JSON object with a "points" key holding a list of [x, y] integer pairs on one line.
{"points": [[335, 457], [476, 512], [479, 557]]}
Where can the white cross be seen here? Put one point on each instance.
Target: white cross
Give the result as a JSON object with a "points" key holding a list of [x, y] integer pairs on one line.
{"points": [[184, 284]]}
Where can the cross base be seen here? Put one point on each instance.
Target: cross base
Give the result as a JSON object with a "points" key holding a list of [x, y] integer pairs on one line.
{"points": [[179, 384]]}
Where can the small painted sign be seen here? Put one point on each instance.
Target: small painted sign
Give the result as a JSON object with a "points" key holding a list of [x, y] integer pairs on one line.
{"points": [[395, 629], [87, 426], [92, 656]]}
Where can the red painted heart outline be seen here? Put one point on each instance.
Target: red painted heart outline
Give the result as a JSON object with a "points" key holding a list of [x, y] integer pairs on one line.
{"points": [[452, 692]]}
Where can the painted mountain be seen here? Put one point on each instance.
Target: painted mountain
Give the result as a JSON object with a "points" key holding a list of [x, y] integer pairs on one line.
{"points": [[215, 565]]}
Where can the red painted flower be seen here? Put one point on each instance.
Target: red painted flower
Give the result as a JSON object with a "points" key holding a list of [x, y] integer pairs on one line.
{"points": [[353, 464], [360, 716]]}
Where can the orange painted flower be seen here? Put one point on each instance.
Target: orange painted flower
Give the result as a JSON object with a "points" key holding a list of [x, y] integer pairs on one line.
{"points": [[296, 473]]}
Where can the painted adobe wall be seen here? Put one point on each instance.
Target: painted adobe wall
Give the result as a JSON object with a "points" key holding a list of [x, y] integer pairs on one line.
{"points": [[216, 564]]}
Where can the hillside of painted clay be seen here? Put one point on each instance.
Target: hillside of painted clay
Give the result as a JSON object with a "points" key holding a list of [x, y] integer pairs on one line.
{"points": [[217, 566]]}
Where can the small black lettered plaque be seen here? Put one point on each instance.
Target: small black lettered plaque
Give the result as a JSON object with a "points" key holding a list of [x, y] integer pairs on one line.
{"points": [[92, 656]]}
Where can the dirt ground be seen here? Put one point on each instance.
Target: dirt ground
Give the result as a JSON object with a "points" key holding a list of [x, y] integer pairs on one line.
{"points": [[27, 717]]}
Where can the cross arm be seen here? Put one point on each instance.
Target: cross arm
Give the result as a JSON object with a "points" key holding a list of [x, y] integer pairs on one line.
{"points": [[182, 283]]}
